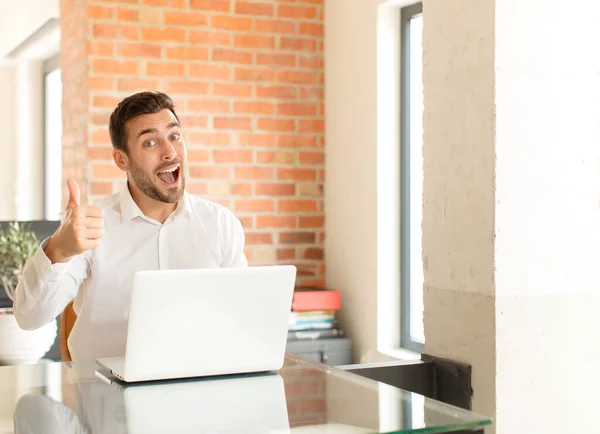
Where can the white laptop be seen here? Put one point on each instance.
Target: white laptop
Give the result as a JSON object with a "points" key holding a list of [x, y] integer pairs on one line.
{"points": [[205, 322]]}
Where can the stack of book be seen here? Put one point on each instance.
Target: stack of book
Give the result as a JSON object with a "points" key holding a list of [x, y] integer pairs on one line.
{"points": [[313, 314]]}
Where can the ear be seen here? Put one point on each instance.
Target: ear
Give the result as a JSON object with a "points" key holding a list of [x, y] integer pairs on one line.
{"points": [[121, 160]]}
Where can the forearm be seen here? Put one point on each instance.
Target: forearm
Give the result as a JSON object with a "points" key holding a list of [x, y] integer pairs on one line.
{"points": [[45, 289]]}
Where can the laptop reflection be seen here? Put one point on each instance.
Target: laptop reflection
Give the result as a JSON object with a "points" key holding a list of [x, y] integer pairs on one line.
{"points": [[239, 404]]}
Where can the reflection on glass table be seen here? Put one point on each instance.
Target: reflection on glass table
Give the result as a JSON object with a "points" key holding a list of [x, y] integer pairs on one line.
{"points": [[303, 397]]}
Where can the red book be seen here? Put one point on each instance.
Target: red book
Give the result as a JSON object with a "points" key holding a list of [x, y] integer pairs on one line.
{"points": [[316, 300]]}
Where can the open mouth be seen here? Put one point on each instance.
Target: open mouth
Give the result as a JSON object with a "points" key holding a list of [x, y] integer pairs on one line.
{"points": [[170, 176]]}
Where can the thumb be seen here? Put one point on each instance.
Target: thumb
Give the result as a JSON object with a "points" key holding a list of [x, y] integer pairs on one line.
{"points": [[74, 194]]}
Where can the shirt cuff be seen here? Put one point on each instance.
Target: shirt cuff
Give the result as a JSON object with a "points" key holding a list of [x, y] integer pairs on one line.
{"points": [[44, 266]]}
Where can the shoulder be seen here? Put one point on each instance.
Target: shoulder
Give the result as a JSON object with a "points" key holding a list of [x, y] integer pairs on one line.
{"points": [[208, 210]]}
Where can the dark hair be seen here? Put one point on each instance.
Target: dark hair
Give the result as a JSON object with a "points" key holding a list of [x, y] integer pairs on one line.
{"points": [[142, 103]]}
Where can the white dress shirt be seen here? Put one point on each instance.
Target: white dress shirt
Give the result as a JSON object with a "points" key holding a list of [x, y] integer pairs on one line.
{"points": [[198, 234]]}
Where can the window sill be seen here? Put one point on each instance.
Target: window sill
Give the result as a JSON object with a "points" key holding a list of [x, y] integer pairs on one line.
{"points": [[401, 353]]}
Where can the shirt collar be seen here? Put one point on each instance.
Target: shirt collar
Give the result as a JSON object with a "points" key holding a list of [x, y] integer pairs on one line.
{"points": [[130, 209]]}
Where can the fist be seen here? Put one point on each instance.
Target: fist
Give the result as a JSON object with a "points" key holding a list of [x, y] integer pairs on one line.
{"points": [[80, 230]]}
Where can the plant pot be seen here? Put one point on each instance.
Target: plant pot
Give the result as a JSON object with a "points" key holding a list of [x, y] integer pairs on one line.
{"points": [[18, 346]]}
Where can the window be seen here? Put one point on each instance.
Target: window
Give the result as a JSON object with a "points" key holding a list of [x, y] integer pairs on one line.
{"points": [[52, 139], [411, 188]]}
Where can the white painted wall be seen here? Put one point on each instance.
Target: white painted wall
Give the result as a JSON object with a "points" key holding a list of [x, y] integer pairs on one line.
{"points": [[8, 142], [362, 45]]}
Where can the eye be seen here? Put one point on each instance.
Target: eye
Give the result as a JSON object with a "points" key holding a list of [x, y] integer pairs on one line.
{"points": [[149, 143], [175, 136]]}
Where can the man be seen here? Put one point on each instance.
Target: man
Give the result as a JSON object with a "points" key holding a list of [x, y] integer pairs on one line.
{"points": [[152, 223]]}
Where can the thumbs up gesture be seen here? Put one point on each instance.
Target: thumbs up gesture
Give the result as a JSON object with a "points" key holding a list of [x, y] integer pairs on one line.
{"points": [[80, 230]]}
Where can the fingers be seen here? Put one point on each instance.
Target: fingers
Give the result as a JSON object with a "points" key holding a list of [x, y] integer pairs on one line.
{"points": [[74, 193], [93, 234], [92, 211]]}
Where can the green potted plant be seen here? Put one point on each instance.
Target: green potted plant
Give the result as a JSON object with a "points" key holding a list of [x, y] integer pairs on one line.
{"points": [[17, 244]]}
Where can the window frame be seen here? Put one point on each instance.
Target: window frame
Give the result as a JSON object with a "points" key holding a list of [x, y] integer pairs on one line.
{"points": [[49, 65], [406, 14]]}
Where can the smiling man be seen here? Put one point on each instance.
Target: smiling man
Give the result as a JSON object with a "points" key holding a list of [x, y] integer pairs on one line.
{"points": [[152, 223]]}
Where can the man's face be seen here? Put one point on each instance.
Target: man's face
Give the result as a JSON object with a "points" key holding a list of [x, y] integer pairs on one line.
{"points": [[156, 155]]}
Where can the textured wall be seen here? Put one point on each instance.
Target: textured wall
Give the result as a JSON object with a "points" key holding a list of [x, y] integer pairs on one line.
{"points": [[247, 80]]}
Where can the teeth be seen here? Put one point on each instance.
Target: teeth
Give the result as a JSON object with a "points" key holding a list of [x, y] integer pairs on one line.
{"points": [[169, 170]]}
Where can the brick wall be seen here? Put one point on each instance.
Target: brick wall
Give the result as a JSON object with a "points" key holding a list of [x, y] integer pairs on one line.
{"points": [[247, 80]]}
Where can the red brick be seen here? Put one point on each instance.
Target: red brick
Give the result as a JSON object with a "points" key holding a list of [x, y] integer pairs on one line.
{"points": [[268, 124], [312, 29], [296, 109], [298, 77], [209, 105], [114, 31], [187, 53], [276, 59], [284, 254], [253, 172], [109, 66], [106, 171], [297, 141], [275, 26], [188, 87], [311, 62], [100, 12], [276, 157], [237, 156], [208, 138], [297, 237], [275, 189], [297, 44], [297, 174], [259, 140], [258, 238], [241, 189], [204, 70], [121, 1], [297, 205], [139, 50], [312, 221], [210, 172], [169, 34], [101, 188], [292, 11], [103, 153], [255, 205], [315, 158], [311, 126], [165, 69], [228, 89], [247, 222], [127, 14], [185, 19], [101, 83], [136, 84], [254, 107], [208, 37], [313, 93], [101, 48], [313, 253], [232, 56], [278, 92], [231, 23], [198, 155], [211, 5], [254, 41], [232, 123], [251, 74], [253, 8], [101, 137], [196, 188], [274, 221], [193, 120]]}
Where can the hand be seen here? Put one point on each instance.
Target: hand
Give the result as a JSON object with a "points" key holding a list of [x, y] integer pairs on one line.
{"points": [[80, 230]]}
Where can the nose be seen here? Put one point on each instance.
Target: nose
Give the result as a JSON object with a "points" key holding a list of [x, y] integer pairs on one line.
{"points": [[168, 151]]}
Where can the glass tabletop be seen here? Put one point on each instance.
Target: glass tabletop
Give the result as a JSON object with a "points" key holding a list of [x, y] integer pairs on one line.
{"points": [[303, 397]]}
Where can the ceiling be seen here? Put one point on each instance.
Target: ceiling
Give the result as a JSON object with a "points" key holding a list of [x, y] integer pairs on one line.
{"points": [[20, 19]]}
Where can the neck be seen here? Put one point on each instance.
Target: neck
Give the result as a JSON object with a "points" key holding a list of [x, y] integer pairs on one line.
{"points": [[151, 208]]}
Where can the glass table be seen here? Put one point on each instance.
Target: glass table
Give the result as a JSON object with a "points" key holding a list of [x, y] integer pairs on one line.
{"points": [[303, 397]]}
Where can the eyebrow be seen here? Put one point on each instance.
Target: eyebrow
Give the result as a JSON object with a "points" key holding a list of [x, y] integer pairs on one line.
{"points": [[154, 130]]}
